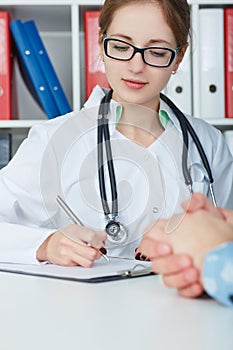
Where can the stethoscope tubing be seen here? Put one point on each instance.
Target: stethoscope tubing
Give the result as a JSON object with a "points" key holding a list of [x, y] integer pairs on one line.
{"points": [[104, 137], [185, 128]]}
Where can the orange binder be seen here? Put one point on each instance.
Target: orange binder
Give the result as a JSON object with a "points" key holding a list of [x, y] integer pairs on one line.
{"points": [[94, 69], [228, 48], [5, 67]]}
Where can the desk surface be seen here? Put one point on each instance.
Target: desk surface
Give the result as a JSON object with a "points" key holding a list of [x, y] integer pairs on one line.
{"points": [[40, 314]]}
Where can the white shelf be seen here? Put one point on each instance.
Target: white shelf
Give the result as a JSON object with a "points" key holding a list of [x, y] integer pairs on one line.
{"points": [[220, 121], [20, 124], [51, 2], [95, 2], [24, 124], [211, 2], [61, 25]]}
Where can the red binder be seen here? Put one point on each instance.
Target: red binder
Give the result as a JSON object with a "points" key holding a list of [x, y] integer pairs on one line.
{"points": [[228, 48], [94, 69], [5, 67]]}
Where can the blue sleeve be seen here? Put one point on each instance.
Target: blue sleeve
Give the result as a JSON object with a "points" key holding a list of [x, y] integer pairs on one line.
{"points": [[218, 273]]}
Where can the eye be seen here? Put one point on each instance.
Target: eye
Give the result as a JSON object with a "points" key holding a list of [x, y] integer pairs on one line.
{"points": [[158, 52], [120, 47]]}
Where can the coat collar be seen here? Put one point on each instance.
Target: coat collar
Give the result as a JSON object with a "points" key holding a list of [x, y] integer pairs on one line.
{"points": [[115, 108]]}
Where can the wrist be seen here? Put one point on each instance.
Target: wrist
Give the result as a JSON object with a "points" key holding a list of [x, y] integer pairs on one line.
{"points": [[41, 253], [217, 273]]}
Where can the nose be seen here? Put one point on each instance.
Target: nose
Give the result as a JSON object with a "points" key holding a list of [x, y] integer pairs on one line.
{"points": [[136, 63]]}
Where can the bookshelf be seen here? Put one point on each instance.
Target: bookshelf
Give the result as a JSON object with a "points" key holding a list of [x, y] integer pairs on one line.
{"points": [[61, 26]]}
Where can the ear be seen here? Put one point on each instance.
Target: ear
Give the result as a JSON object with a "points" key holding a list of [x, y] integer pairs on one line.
{"points": [[179, 57], [100, 36]]}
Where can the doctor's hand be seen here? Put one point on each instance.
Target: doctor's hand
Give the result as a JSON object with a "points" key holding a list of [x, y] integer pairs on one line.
{"points": [[178, 255], [75, 245]]}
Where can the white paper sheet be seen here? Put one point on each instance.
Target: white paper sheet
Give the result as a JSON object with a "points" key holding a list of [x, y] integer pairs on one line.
{"points": [[101, 270]]}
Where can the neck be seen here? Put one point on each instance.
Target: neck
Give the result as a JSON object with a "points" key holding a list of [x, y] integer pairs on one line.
{"points": [[140, 124]]}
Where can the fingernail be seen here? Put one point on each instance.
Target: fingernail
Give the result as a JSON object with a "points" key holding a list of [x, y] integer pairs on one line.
{"points": [[143, 257], [103, 250]]}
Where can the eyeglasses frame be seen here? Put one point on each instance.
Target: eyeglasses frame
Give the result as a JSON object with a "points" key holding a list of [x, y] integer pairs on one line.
{"points": [[141, 51]]}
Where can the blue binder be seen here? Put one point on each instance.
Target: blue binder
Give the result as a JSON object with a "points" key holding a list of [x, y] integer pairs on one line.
{"points": [[32, 72], [5, 149], [47, 67]]}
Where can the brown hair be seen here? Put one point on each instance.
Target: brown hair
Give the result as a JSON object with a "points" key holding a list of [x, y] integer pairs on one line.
{"points": [[176, 13]]}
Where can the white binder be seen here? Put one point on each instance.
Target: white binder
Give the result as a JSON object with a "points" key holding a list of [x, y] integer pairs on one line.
{"points": [[179, 88], [228, 134], [212, 63]]}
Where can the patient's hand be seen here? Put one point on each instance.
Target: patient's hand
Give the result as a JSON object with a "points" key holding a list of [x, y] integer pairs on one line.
{"points": [[178, 253]]}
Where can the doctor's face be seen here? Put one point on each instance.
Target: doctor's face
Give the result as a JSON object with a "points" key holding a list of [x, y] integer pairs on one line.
{"points": [[134, 81]]}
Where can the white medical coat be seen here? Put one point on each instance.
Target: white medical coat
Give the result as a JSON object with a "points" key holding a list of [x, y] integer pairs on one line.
{"points": [[60, 157]]}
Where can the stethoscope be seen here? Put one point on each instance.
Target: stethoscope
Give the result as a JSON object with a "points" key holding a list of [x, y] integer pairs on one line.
{"points": [[116, 231]]}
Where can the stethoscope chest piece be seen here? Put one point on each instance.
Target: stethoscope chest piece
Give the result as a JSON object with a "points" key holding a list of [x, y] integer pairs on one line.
{"points": [[116, 232]]}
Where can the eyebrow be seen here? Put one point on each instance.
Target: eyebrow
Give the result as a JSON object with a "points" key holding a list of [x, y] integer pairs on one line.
{"points": [[150, 42]]}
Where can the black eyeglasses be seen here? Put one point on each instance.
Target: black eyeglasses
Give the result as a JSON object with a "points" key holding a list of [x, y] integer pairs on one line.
{"points": [[154, 56]]}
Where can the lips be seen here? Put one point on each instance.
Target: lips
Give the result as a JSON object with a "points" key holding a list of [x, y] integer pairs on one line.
{"points": [[135, 84]]}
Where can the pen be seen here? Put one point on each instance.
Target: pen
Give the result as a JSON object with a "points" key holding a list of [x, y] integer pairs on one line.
{"points": [[74, 218]]}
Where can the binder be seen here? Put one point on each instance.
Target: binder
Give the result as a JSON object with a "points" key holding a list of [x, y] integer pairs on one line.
{"points": [[228, 134], [101, 271], [94, 68], [31, 71], [179, 87], [212, 96], [5, 149], [5, 67], [47, 67], [228, 52]]}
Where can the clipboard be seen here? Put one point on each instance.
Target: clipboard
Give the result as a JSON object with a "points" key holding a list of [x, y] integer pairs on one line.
{"points": [[101, 271]]}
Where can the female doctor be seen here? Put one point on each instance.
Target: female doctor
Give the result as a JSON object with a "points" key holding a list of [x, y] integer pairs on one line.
{"points": [[121, 166]]}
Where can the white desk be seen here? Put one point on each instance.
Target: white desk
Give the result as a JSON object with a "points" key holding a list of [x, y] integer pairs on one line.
{"points": [[45, 314]]}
